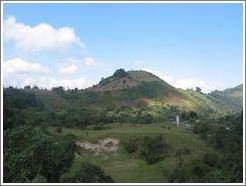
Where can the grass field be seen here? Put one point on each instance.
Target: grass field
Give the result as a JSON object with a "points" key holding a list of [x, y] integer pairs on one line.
{"points": [[129, 167]]}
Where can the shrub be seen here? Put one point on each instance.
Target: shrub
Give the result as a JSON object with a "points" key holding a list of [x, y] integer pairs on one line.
{"points": [[99, 126], [131, 145], [193, 171], [182, 151], [153, 149], [39, 179], [120, 73], [211, 159], [202, 129], [59, 130], [83, 172], [178, 175], [145, 118]]}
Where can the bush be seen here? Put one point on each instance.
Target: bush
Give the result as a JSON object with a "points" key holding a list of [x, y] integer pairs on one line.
{"points": [[179, 175], [39, 179], [188, 115], [193, 171], [99, 126], [198, 170], [59, 130], [211, 159], [202, 129], [120, 73], [145, 118], [153, 149], [182, 151], [131, 145], [83, 172]]}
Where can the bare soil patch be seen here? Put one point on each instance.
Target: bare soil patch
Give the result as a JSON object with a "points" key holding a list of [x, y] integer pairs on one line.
{"points": [[102, 145]]}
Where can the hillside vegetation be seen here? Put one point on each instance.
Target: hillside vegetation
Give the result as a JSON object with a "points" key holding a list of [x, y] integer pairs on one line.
{"points": [[122, 130]]}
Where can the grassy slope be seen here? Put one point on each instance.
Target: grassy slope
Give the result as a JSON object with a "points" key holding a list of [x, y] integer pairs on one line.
{"points": [[143, 76], [219, 101], [230, 98], [126, 167], [203, 101], [150, 90]]}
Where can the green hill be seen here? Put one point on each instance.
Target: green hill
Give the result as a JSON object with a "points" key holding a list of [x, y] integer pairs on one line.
{"points": [[146, 88], [231, 98], [133, 96]]}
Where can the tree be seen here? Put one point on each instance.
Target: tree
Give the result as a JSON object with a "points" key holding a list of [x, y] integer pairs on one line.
{"points": [[120, 73], [58, 90], [35, 87], [31, 155], [198, 89], [145, 118], [28, 87]]}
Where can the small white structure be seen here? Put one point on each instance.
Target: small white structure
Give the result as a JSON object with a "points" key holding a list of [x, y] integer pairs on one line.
{"points": [[177, 120]]}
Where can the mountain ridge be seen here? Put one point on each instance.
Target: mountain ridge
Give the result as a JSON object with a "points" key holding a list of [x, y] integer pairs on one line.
{"points": [[155, 91]]}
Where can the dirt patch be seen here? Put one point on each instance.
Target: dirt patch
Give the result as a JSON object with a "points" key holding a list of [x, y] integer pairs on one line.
{"points": [[106, 145], [109, 144], [116, 84]]}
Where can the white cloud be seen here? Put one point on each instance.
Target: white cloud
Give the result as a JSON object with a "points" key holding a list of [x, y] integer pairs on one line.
{"points": [[19, 73], [188, 83], [20, 66], [88, 61], [50, 82], [40, 37], [71, 69], [192, 83], [45, 82], [167, 78], [72, 60]]}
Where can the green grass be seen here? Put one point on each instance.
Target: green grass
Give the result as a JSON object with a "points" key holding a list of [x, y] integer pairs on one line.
{"points": [[142, 76], [129, 167]]}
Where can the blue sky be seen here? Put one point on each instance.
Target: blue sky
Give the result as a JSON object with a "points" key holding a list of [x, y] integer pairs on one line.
{"points": [[187, 45]]}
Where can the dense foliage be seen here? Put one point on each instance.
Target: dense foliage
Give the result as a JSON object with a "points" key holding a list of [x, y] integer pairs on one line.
{"points": [[151, 149], [154, 149], [226, 135], [27, 106], [31, 153]]}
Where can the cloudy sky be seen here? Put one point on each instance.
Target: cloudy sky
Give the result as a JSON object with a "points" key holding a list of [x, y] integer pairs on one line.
{"points": [[75, 45]]}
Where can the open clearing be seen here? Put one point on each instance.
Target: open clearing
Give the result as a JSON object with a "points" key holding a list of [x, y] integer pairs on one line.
{"points": [[128, 167]]}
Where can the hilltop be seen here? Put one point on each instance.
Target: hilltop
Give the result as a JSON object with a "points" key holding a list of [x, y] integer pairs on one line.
{"points": [[149, 89], [121, 80]]}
